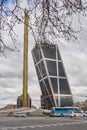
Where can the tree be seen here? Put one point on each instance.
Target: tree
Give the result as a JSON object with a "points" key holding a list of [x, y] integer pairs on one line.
{"points": [[48, 19]]}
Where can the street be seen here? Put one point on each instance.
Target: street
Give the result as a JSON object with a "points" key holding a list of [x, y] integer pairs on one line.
{"points": [[43, 123]]}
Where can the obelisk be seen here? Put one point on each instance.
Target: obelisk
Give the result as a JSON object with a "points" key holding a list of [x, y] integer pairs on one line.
{"points": [[25, 62]]}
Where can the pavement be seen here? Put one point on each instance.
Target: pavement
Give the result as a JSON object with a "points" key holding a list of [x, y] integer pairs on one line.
{"points": [[43, 123]]}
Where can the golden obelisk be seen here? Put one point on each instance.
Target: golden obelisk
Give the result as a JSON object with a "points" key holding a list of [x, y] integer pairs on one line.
{"points": [[25, 102]]}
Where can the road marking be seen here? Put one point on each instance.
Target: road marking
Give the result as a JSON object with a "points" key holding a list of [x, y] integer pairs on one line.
{"points": [[54, 125], [43, 125], [40, 126], [32, 126]]}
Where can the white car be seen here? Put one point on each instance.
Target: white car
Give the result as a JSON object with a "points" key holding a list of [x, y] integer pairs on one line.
{"points": [[76, 114], [85, 114], [20, 115]]}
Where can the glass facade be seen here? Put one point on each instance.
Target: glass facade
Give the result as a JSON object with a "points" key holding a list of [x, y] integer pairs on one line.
{"points": [[51, 75], [52, 69], [61, 69], [54, 85], [63, 86], [42, 68], [49, 51], [66, 101]]}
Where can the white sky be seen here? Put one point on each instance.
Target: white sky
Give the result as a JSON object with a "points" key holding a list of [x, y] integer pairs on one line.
{"points": [[74, 57]]}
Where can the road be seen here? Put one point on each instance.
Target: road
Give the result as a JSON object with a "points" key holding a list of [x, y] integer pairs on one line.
{"points": [[43, 123]]}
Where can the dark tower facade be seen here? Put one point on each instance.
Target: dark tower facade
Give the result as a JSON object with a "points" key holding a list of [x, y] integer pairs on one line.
{"points": [[51, 74]]}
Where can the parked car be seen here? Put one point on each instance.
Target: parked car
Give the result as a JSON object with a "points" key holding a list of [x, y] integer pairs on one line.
{"points": [[85, 114], [19, 114], [76, 114]]}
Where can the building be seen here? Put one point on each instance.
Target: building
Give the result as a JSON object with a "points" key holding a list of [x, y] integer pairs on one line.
{"points": [[9, 106], [51, 75], [82, 105]]}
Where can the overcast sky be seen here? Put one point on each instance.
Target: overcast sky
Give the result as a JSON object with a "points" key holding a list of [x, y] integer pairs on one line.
{"points": [[74, 55]]}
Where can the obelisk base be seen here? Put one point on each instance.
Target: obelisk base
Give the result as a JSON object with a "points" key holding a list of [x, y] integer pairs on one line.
{"points": [[20, 101]]}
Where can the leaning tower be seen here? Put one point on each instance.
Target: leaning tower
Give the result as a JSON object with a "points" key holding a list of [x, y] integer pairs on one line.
{"points": [[52, 77]]}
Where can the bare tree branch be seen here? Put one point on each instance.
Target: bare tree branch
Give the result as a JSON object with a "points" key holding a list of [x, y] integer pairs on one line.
{"points": [[48, 19]]}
